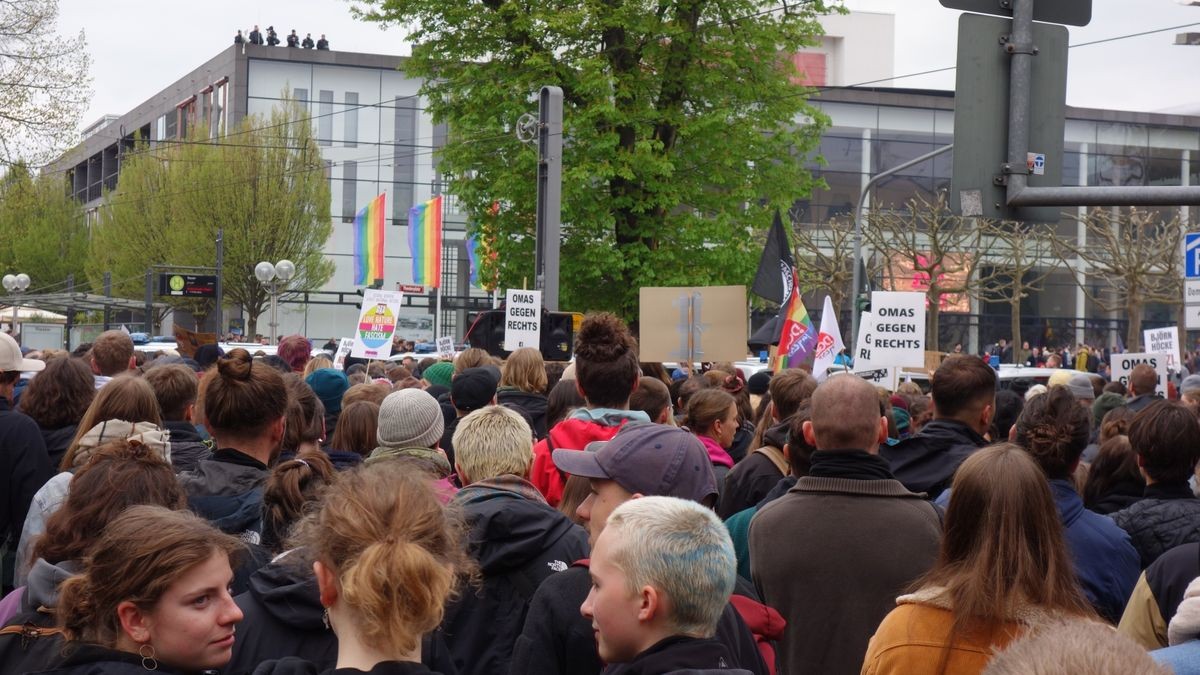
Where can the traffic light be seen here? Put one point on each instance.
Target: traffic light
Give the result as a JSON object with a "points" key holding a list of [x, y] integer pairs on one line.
{"points": [[862, 302], [557, 338]]}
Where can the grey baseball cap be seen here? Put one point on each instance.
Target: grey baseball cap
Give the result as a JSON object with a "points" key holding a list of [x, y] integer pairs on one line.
{"points": [[647, 459]]}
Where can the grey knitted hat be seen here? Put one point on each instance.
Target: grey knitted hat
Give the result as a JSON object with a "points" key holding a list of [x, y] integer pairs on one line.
{"points": [[1189, 384], [410, 418]]}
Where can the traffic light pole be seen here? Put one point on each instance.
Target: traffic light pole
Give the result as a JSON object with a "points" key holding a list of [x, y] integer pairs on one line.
{"points": [[549, 195], [1015, 171]]}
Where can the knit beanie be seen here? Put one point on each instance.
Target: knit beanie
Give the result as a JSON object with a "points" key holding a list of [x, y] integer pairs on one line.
{"points": [[410, 418], [1190, 383], [1107, 402], [328, 384], [439, 373]]}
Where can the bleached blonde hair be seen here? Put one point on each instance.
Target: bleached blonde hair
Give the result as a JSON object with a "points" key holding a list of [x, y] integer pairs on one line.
{"points": [[491, 442]]}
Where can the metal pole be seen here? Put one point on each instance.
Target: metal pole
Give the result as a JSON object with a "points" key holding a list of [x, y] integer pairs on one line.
{"points": [[1020, 76], [549, 195], [108, 294], [858, 226], [70, 311], [16, 302], [149, 303], [220, 300], [274, 315]]}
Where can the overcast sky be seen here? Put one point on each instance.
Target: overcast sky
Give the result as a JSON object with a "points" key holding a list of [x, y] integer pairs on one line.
{"points": [[139, 47]]}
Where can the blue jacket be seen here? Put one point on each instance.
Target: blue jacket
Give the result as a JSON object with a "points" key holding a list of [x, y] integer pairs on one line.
{"points": [[1183, 659], [1106, 562]]}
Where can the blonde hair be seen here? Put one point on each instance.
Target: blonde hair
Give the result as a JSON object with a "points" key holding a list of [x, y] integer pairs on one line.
{"points": [[682, 550], [125, 397], [395, 551], [1067, 647], [525, 370], [472, 357], [317, 362], [493, 441]]}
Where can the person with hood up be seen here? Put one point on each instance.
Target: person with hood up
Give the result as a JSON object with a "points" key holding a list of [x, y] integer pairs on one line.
{"points": [[752, 478], [523, 384], [245, 404], [330, 385], [662, 574], [176, 388], [641, 460], [606, 373], [145, 478], [515, 536], [125, 408], [964, 401]]}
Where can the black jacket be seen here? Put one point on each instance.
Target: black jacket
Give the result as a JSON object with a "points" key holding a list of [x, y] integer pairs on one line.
{"points": [[24, 468], [752, 478], [1168, 516], [518, 543], [1122, 495], [282, 618], [227, 490], [534, 405], [188, 449], [927, 462], [58, 440], [557, 640], [680, 654], [89, 659], [256, 37], [294, 666]]}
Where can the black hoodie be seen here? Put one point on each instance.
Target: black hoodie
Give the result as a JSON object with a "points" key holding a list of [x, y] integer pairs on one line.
{"points": [[680, 654], [518, 542], [753, 477], [57, 442], [534, 405], [927, 462], [283, 617]]}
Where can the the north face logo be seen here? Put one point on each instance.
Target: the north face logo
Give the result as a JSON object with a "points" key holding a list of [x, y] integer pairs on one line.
{"points": [[557, 565]]}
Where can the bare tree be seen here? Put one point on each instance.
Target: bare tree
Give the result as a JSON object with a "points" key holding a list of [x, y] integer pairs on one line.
{"points": [[1132, 258], [939, 247], [825, 257], [1019, 259], [44, 82]]}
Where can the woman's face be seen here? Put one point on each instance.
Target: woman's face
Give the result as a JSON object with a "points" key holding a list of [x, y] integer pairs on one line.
{"points": [[191, 626], [728, 427]]}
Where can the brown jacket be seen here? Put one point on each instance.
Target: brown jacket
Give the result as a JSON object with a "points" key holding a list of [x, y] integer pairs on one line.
{"points": [[831, 556]]}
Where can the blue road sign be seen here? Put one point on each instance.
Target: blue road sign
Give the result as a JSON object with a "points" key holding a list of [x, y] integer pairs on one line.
{"points": [[1191, 255]]}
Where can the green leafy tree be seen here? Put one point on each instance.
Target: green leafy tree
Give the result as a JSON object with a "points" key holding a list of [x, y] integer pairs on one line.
{"points": [[265, 186], [684, 128], [41, 228]]}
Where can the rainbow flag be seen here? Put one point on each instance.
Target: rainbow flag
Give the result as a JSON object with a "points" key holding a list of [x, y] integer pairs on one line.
{"points": [[368, 242], [473, 259], [425, 242], [798, 336]]}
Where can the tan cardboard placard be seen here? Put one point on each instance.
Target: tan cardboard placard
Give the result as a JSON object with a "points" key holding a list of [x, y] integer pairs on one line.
{"points": [[188, 341], [711, 321]]}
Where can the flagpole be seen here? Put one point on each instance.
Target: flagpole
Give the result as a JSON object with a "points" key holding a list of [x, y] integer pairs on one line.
{"points": [[437, 312]]}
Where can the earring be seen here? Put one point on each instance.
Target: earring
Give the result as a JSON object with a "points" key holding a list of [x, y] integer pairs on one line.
{"points": [[148, 661], [325, 618]]}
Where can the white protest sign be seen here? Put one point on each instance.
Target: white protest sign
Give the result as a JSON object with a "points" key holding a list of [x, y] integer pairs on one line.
{"points": [[880, 377], [445, 347], [862, 348], [1163, 341], [897, 329], [1123, 365], [522, 319], [343, 350], [376, 324]]}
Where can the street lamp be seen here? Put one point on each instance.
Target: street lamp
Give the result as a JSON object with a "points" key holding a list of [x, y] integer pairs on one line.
{"points": [[270, 276], [16, 284]]}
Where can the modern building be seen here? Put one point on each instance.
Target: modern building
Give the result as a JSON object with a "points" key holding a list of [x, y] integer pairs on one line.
{"points": [[375, 137]]}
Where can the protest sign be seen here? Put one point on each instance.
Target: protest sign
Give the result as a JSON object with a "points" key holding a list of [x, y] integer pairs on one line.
{"points": [[896, 332], [692, 324], [187, 341], [1163, 341], [445, 347], [376, 324], [522, 319], [343, 350], [1123, 364]]}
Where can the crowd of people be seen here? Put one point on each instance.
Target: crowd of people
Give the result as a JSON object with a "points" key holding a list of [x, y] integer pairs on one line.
{"points": [[273, 514], [255, 37]]}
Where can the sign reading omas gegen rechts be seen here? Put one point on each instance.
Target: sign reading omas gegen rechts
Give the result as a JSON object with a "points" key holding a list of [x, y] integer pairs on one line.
{"points": [[897, 330], [522, 319]]}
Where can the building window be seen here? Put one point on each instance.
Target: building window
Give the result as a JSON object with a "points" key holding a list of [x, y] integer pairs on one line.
{"points": [[350, 115], [325, 118], [404, 159], [349, 191]]}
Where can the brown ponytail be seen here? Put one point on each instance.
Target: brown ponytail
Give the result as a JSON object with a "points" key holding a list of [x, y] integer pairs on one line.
{"points": [[241, 396]]}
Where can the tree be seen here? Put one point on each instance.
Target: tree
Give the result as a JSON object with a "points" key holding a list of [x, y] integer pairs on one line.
{"points": [[825, 257], [1131, 258], [41, 228], [1019, 264], [265, 186], [683, 129], [44, 82], [940, 249]]}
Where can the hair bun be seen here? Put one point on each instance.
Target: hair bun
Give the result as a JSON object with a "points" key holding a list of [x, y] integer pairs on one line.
{"points": [[236, 365], [602, 338]]}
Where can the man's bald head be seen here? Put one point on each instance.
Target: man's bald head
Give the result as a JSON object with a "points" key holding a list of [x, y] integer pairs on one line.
{"points": [[1143, 379], [845, 415]]}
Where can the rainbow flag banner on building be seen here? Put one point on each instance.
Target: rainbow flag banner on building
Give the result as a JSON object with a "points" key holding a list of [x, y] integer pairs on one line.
{"points": [[368, 242], [425, 242]]}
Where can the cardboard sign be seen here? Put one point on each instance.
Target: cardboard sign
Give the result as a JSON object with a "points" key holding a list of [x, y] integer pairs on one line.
{"points": [[445, 347], [343, 350], [188, 341], [1123, 365], [377, 320], [896, 330], [1163, 341], [522, 319], [710, 321]]}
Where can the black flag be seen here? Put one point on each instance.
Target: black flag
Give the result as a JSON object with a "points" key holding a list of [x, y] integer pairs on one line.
{"points": [[773, 280]]}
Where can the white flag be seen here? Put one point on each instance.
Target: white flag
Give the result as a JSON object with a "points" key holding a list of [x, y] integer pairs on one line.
{"points": [[829, 342]]}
